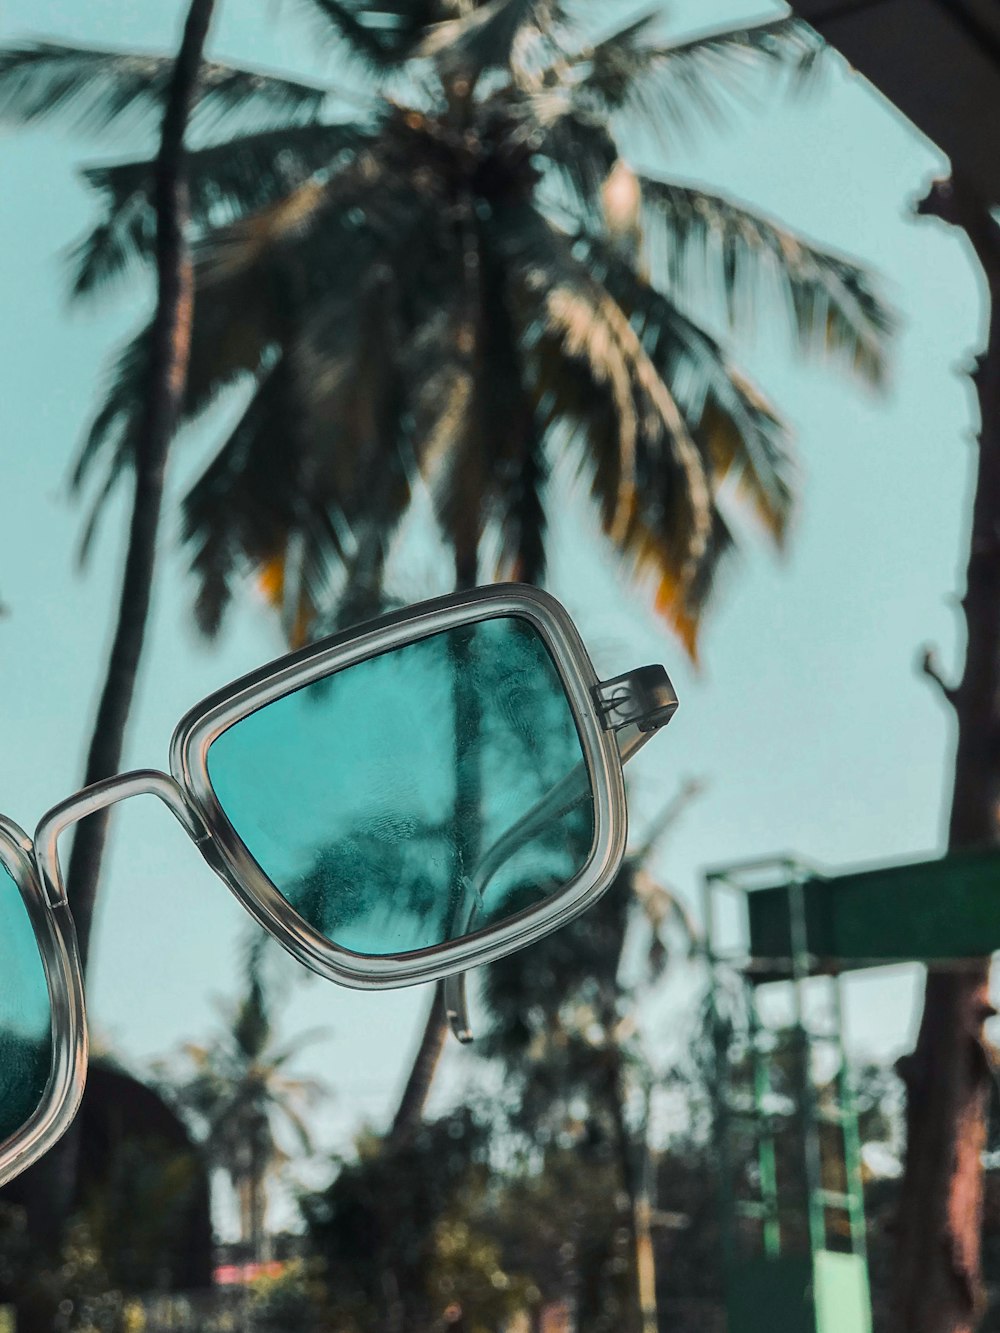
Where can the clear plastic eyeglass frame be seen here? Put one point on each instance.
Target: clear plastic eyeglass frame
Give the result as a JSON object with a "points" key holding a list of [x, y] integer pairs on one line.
{"points": [[613, 718]]}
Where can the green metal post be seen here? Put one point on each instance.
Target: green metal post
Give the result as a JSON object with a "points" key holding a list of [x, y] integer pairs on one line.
{"points": [[766, 1155], [801, 967], [720, 1085], [773, 1286], [853, 1182]]}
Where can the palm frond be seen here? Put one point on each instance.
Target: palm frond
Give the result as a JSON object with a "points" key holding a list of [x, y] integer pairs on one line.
{"points": [[323, 298], [678, 86], [488, 35], [239, 512], [478, 437], [833, 304], [110, 434], [576, 143], [647, 470], [95, 88], [311, 486], [232, 335], [372, 413], [523, 521], [226, 181], [741, 436], [381, 34], [115, 247], [260, 237]]}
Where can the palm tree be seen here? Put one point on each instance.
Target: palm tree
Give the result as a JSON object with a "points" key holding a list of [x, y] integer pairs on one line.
{"points": [[164, 374], [238, 1097], [454, 283], [181, 89]]}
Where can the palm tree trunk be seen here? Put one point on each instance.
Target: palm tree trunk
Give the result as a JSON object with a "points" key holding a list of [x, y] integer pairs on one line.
{"points": [[50, 1192], [626, 1171], [634, 1182], [255, 1209], [645, 1253], [410, 1110], [432, 1041], [171, 338], [938, 1280]]}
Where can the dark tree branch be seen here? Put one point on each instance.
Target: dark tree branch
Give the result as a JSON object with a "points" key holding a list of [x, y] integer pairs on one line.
{"points": [[930, 667]]}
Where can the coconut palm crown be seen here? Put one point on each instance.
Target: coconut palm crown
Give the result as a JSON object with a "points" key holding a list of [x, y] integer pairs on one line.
{"points": [[452, 283]]}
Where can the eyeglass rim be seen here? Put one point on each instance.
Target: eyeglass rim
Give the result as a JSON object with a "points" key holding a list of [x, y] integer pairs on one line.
{"points": [[612, 722], [229, 857], [55, 936]]}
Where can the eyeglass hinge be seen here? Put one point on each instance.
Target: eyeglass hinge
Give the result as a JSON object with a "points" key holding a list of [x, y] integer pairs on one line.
{"points": [[643, 697]]}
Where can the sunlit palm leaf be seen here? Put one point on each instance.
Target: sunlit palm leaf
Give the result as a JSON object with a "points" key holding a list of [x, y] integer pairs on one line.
{"points": [[740, 434], [653, 443], [345, 353], [833, 304], [226, 181], [308, 229], [97, 88], [680, 86]]}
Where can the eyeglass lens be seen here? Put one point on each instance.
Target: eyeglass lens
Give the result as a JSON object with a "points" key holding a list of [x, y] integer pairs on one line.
{"points": [[381, 800], [25, 1013]]}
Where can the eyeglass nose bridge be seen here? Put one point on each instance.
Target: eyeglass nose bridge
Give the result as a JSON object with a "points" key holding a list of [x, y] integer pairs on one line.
{"points": [[95, 798]]}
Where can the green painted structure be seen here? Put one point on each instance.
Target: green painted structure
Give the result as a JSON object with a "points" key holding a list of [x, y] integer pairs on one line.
{"points": [[824, 1293], [788, 1146], [937, 912], [787, 1142]]}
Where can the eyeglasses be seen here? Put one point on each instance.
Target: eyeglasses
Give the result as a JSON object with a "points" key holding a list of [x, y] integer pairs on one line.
{"points": [[411, 798]]}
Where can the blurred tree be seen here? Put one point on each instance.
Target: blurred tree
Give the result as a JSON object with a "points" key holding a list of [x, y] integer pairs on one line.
{"points": [[463, 277], [939, 1281], [558, 1220], [143, 1188], [563, 1023], [295, 1300], [238, 1097], [139, 1219], [402, 1233]]}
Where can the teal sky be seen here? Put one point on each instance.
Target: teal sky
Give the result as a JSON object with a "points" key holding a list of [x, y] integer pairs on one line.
{"points": [[807, 720]]}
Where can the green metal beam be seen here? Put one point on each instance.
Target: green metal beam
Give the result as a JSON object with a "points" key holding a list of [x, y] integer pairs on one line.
{"points": [[935, 912]]}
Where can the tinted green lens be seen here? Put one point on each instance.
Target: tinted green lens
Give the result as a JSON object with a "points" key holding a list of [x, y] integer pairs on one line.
{"points": [[25, 1014], [380, 800]]}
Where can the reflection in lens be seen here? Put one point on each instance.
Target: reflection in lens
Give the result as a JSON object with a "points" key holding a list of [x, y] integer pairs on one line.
{"points": [[381, 801], [25, 1015]]}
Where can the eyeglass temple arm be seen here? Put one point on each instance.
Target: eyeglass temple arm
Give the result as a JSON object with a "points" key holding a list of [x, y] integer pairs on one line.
{"points": [[635, 706], [98, 796]]}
